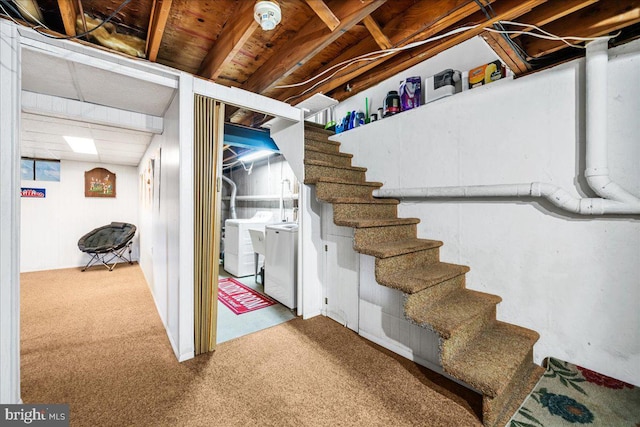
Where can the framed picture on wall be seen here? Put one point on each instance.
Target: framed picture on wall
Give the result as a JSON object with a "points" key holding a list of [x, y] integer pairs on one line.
{"points": [[99, 182]]}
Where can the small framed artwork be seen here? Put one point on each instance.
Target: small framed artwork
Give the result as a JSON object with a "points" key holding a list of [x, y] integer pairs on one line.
{"points": [[99, 182]]}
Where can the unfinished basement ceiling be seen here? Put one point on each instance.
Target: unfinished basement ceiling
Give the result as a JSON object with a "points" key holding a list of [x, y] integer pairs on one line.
{"points": [[221, 41]]}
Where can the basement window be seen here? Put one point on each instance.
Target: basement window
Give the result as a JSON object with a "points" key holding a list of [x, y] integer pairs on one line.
{"points": [[39, 169]]}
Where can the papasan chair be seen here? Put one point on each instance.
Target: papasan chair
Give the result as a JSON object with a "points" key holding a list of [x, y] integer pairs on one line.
{"points": [[108, 244]]}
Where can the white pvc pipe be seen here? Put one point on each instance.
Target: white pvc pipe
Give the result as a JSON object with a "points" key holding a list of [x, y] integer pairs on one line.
{"points": [[597, 165], [614, 199], [554, 194]]}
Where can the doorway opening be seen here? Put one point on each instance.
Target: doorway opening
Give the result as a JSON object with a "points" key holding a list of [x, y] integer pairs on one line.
{"points": [[257, 258]]}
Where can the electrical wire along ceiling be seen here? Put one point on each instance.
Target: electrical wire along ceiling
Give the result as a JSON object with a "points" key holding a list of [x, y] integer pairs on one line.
{"points": [[290, 50]]}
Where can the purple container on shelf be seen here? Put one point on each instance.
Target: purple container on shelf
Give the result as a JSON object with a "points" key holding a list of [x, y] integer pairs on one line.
{"points": [[410, 93]]}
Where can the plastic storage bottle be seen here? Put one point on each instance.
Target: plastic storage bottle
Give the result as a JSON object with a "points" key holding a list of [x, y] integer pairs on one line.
{"points": [[391, 103]]}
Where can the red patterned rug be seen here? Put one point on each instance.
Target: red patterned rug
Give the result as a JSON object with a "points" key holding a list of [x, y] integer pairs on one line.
{"points": [[240, 298]]}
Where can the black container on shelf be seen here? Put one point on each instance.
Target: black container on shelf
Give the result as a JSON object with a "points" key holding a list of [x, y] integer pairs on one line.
{"points": [[391, 103]]}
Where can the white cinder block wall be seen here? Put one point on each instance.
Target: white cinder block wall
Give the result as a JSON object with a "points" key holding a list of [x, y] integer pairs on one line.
{"points": [[575, 280], [267, 178], [51, 227]]}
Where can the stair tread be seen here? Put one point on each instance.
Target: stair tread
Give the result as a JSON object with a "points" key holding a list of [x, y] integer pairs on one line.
{"points": [[382, 222], [398, 247], [334, 180], [488, 362], [332, 165], [321, 140], [333, 153], [454, 310], [362, 200], [423, 277], [315, 127]]}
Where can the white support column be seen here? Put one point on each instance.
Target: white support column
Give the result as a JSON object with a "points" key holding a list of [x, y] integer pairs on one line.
{"points": [[9, 214], [186, 342]]}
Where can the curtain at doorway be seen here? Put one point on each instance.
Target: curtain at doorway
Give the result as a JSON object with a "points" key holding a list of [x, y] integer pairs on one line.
{"points": [[208, 134]]}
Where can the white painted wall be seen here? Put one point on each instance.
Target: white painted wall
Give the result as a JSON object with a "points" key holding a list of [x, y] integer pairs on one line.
{"points": [[573, 279], [9, 214], [159, 228], [51, 227]]}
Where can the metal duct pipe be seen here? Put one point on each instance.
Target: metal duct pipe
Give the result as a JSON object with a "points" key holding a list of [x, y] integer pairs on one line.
{"points": [[232, 204], [614, 199]]}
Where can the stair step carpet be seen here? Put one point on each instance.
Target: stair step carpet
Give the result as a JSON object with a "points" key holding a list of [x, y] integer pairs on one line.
{"points": [[335, 158], [492, 357]]}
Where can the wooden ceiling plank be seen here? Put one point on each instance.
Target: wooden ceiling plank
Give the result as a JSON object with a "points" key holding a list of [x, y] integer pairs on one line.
{"points": [[597, 20], [551, 11], [157, 25], [312, 38], [504, 10], [69, 13], [506, 53], [322, 10], [422, 20], [230, 42], [376, 32]]}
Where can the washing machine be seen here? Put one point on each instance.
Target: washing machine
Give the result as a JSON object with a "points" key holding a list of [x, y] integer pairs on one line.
{"points": [[239, 259], [281, 263]]}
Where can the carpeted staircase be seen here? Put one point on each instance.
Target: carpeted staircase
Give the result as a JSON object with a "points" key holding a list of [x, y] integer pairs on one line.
{"points": [[493, 357]]}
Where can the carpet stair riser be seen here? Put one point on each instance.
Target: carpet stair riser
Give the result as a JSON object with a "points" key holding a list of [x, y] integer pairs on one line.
{"points": [[319, 145], [457, 318], [458, 341], [317, 171], [342, 211], [431, 295], [328, 190], [334, 158], [496, 411], [363, 237], [490, 356], [319, 134], [389, 266]]}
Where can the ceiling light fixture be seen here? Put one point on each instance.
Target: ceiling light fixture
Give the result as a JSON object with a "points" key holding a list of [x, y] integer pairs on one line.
{"points": [[267, 14], [81, 145]]}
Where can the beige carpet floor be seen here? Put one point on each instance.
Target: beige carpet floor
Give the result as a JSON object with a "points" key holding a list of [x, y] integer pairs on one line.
{"points": [[94, 340]]}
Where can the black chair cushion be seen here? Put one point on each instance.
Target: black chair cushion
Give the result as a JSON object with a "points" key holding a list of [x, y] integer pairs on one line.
{"points": [[107, 238]]}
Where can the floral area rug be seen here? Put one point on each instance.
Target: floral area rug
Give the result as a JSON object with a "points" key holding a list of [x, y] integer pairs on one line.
{"points": [[570, 395]]}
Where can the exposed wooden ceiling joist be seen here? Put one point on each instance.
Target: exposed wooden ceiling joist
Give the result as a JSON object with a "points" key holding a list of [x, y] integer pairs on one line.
{"points": [[551, 11], [322, 10], [220, 40], [417, 22], [230, 42], [157, 24], [312, 38], [506, 52], [599, 19], [69, 13], [503, 10], [377, 33]]}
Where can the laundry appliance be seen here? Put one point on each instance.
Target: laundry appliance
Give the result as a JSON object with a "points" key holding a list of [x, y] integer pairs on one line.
{"points": [[238, 250], [281, 261]]}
